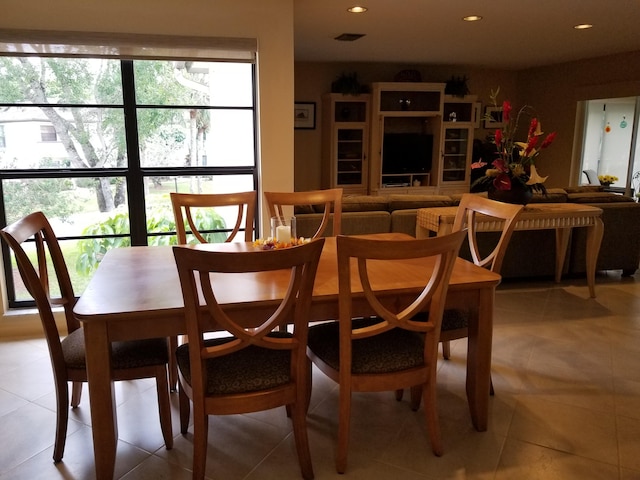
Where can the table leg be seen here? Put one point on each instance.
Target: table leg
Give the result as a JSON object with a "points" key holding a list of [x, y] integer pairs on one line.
{"points": [[422, 232], [594, 238], [562, 242], [102, 398], [479, 360]]}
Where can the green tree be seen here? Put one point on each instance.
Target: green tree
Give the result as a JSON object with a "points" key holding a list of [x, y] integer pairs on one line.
{"points": [[95, 137], [53, 196]]}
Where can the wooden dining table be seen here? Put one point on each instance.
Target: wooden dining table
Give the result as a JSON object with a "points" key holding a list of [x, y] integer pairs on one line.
{"points": [[135, 293]]}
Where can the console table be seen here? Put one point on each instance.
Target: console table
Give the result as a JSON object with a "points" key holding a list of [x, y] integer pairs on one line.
{"points": [[561, 217]]}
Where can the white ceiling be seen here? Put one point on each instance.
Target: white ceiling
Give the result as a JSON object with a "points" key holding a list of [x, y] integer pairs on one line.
{"points": [[514, 34]]}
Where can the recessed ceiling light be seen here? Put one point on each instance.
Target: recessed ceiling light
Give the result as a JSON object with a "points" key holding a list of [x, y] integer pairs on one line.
{"points": [[472, 18], [357, 9], [583, 26]]}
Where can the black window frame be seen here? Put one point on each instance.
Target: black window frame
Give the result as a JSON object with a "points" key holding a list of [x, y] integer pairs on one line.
{"points": [[134, 173]]}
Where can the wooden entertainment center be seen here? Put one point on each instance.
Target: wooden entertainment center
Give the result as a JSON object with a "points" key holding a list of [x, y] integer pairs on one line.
{"points": [[401, 138]]}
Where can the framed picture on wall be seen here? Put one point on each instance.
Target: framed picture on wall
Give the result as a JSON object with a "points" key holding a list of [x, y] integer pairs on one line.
{"points": [[304, 115], [493, 117]]}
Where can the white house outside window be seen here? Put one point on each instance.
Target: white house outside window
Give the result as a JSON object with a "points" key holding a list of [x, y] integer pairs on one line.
{"points": [[48, 133]]}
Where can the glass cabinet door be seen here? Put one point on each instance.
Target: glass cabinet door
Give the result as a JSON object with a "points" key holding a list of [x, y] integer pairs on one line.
{"points": [[350, 152], [455, 154]]}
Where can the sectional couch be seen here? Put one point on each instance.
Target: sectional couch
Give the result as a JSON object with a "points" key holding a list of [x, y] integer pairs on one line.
{"points": [[530, 254]]}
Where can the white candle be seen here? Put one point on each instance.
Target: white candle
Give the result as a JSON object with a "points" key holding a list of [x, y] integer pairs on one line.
{"points": [[283, 234]]}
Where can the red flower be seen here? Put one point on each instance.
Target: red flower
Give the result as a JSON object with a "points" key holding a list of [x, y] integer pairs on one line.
{"points": [[530, 146], [500, 165], [506, 111], [478, 164], [502, 182], [532, 127], [547, 141], [498, 137]]}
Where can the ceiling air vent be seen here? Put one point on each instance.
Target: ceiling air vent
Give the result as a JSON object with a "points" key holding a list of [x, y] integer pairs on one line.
{"points": [[349, 37]]}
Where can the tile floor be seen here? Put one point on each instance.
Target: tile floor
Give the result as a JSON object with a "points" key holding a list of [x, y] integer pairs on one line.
{"points": [[566, 371]]}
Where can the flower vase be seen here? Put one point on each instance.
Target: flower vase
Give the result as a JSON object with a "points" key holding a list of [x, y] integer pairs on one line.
{"points": [[519, 194]]}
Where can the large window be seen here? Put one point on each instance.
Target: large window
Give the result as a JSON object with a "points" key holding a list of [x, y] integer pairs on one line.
{"points": [[611, 144], [98, 144]]}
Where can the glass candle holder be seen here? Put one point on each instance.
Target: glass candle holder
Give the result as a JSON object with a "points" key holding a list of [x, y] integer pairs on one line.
{"points": [[283, 230]]}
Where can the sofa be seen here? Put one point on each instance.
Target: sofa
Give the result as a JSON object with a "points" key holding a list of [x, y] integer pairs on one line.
{"points": [[530, 254]]}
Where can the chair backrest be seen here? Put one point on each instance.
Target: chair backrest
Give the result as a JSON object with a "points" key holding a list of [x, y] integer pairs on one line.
{"points": [[330, 198], [366, 251], [472, 205], [592, 177], [204, 271], [36, 276], [189, 202]]}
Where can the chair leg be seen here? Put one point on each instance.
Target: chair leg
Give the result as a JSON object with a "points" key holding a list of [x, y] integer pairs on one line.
{"points": [[308, 385], [183, 401], [299, 420], [416, 397], [446, 350], [164, 406], [76, 394], [200, 434], [62, 419], [431, 412], [399, 394], [173, 363], [344, 419]]}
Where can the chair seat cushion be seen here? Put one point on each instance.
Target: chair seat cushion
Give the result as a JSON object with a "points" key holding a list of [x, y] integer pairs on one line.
{"points": [[454, 319], [129, 354], [247, 370], [392, 351]]}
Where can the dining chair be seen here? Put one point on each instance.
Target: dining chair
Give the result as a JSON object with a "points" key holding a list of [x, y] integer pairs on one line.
{"points": [[254, 366], [185, 204], [185, 207], [130, 360], [455, 323], [330, 199], [389, 350]]}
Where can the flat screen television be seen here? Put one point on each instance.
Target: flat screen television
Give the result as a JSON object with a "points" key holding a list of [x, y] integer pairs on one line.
{"points": [[406, 153]]}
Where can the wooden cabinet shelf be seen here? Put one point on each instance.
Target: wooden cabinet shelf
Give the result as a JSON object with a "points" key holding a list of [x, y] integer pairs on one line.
{"points": [[419, 139], [408, 99], [406, 124], [345, 131]]}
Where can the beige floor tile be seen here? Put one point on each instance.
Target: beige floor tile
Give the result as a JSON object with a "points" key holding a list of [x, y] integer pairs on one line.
{"points": [[627, 398], [627, 474], [566, 371], [522, 460], [467, 453], [629, 442], [626, 363], [27, 431], [566, 428]]}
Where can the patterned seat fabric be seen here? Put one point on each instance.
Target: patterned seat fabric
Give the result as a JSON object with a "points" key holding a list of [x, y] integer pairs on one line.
{"points": [[452, 319], [378, 354], [130, 354], [247, 370]]}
